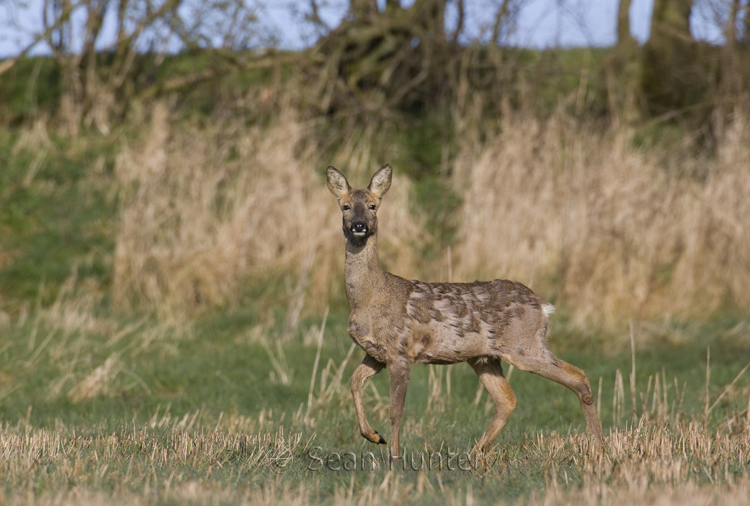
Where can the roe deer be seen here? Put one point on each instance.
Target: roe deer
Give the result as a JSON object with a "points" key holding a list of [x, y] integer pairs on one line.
{"points": [[399, 323]]}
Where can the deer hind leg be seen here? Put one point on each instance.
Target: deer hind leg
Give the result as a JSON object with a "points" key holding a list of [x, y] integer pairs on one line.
{"points": [[366, 370], [490, 372], [557, 370]]}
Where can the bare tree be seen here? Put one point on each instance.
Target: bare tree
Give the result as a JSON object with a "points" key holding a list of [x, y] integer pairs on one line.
{"points": [[380, 59], [101, 73]]}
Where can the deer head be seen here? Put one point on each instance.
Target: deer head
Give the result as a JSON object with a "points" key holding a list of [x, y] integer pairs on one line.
{"points": [[359, 207]]}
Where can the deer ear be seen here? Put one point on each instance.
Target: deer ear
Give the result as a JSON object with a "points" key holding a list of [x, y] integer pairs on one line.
{"points": [[381, 181], [337, 183]]}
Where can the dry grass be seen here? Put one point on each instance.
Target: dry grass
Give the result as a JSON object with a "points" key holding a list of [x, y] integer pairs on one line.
{"points": [[614, 233], [73, 310], [246, 461], [205, 210], [79, 467], [81, 352], [98, 381], [609, 229]]}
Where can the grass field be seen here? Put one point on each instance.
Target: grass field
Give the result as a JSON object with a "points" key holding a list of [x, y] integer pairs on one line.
{"points": [[230, 410], [162, 338]]}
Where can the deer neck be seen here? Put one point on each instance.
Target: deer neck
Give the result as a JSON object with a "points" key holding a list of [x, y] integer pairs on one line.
{"points": [[362, 273]]}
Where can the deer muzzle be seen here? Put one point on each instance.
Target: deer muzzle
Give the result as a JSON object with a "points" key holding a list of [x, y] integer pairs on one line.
{"points": [[359, 228]]}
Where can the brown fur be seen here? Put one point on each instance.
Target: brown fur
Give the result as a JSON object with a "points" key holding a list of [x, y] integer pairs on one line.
{"points": [[399, 323]]}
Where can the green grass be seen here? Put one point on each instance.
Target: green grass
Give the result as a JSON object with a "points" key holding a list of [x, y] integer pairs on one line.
{"points": [[31, 86], [219, 374], [220, 365], [57, 213]]}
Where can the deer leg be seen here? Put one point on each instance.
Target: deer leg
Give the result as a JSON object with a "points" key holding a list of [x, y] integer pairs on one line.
{"points": [[399, 375], [575, 379], [366, 370], [490, 373]]}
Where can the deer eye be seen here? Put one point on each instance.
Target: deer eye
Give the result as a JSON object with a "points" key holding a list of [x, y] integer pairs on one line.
{"points": [[372, 207], [345, 207]]}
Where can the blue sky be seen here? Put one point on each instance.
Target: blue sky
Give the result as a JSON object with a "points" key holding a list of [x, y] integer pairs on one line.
{"points": [[541, 23]]}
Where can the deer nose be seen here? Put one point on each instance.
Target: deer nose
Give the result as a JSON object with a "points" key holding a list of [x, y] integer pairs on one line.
{"points": [[359, 228]]}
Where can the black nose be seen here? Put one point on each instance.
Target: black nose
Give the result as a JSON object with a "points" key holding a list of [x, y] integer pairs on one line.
{"points": [[359, 227]]}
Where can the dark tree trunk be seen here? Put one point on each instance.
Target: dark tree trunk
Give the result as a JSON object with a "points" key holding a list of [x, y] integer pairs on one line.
{"points": [[623, 23], [623, 69], [671, 77]]}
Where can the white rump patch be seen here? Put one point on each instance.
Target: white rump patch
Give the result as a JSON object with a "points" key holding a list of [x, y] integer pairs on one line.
{"points": [[548, 309]]}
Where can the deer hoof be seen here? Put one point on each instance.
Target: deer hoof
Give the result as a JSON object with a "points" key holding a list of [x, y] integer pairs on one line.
{"points": [[481, 450], [374, 437]]}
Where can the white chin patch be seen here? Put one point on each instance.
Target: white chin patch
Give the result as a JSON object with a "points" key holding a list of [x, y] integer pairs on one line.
{"points": [[358, 234]]}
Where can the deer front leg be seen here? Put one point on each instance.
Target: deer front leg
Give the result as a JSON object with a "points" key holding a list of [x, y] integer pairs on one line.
{"points": [[366, 370], [399, 373]]}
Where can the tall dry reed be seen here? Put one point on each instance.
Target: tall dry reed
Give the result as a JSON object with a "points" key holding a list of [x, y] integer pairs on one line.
{"points": [[606, 227], [206, 211]]}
